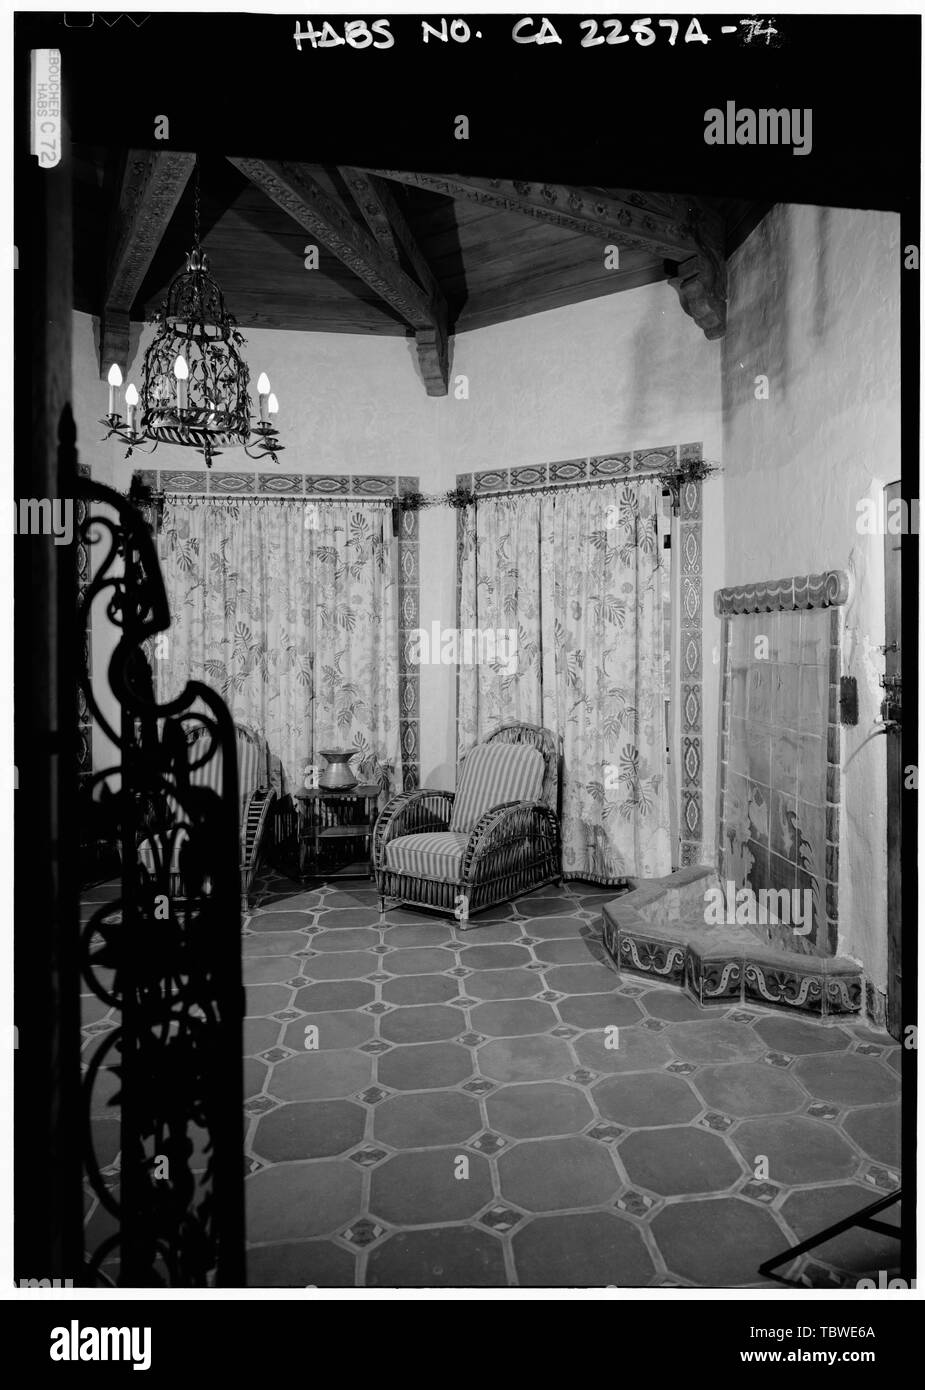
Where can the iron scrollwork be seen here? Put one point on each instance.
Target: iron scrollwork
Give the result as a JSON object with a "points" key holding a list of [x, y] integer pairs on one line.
{"points": [[166, 953]]}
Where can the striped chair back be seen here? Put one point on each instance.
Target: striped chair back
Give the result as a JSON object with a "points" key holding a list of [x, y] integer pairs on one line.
{"points": [[252, 764], [492, 774]]}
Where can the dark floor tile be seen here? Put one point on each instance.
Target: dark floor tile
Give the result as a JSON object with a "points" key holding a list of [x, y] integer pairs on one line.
{"points": [[541, 1109], [276, 943], [347, 918], [576, 950], [424, 1066], [557, 1174], [299, 901], [500, 957], [486, 933], [646, 1098], [420, 1188], [279, 921], [309, 1129], [847, 1079], [535, 1058], [353, 939], [262, 1000], [418, 960], [422, 1121], [449, 1257], [717, 1244], [554, 928], [599, 1010], [301, 1264], [877, 1130], [341, 965], [422, 1023], [581, 979], [360, 895], [421, 934], [749, 1088], [420, 989], [856, 1251], [334, 994], [679, 1161], [513, 1017], [584, 1250], [546, 906], [332, 1029], [637, 1049], [290, 1201], [715, 1040], [259, 1034], [255, 1074], [260, 970], [673, 1006], [321, 1076], [799, 1150], [504, 984], [797, 1035]]}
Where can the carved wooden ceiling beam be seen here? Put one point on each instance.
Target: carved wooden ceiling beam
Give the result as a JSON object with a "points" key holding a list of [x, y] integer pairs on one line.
{"points": [[700, 279], [292, 187], [152, 185]]}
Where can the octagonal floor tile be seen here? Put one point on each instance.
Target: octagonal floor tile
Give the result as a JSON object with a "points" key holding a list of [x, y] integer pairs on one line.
{"points": [[678, 1161], [334, 994], [420, 1188], [798, 1149], [749, 1088], [418, 960], [675, 1007], [420, 989], [255, 1074], [798, 1035], [557, 1174], [513, 1017], [266, 999], [341, 918], [321, 1075], [355, 939], [419, 934], [273, 943], [599, 1010], [291, 1201], [717, 1244], [494, 957], [571, 950], [279, 921], [335, 1029], [309, 1129], [504, 984], [877, 1130], [555, 928], [429, 1119], [715, 1040], [592, 1249], [856, 1251], [424, 1066], [263, 970], [301, 1264], [581, 979], [545, 905], [638, 1049], [538, 1057], [487, 933], [536, 1110], [460, 1257], [422, 1023], [646, 1098], [847, 1079], [259, 1034], [341, 965], [301, 902]]}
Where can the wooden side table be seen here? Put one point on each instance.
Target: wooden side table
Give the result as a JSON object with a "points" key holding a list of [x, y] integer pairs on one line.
{"points": [[327, 816]]}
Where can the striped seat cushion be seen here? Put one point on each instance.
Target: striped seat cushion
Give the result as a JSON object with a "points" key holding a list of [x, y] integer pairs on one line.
{"points": [[492, 774], [437, 854]]}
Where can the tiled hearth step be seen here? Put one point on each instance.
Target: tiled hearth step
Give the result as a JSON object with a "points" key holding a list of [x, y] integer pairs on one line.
{"points": [[657, 929]]}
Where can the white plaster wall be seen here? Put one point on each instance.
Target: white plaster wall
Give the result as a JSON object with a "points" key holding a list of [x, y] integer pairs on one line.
{"points": [[814, 305]]}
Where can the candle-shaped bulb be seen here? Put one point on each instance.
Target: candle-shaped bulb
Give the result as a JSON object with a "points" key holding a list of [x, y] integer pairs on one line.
{"points": [[272, 404], [131, 400], [181, 372], [115, 380], [263, 392]]}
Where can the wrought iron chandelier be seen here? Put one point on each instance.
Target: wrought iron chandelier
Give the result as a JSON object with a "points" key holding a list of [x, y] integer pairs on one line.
{"points": [[196, 383]]}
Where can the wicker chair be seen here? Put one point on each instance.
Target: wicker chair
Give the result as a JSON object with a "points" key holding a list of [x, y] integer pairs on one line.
{"points": [[456, 851], [256, 804]]}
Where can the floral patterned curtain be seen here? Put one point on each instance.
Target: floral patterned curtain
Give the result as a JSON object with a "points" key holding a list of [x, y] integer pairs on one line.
{"points": [[289, 608], [574, 574]]}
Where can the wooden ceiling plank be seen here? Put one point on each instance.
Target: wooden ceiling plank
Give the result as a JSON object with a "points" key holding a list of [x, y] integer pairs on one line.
{"points": [[292, 187], [152, 185]]}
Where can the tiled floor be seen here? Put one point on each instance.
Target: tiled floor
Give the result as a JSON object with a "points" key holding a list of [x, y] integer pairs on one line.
{"points": [[500, 1107]]}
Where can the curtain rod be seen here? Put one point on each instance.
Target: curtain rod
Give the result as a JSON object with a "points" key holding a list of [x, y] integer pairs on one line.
{"points": [[279, 497]]}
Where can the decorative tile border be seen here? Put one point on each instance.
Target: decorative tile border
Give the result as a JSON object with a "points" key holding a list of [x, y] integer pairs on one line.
{"points": [[226, 482], [689, 688]]}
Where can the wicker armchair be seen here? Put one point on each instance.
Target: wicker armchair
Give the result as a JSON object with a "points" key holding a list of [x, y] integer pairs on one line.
{"points": [[457, 852]]}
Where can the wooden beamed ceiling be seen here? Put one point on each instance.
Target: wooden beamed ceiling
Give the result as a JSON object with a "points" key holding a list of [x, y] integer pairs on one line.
{"points": [[401, 252]]}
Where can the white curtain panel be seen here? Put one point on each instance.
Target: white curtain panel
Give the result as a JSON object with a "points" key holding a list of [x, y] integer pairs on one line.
{"points": [[290, 610], [574, 575]]}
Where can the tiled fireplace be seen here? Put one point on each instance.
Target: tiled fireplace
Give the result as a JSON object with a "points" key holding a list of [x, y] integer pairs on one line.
{"points": [[779, 782]]}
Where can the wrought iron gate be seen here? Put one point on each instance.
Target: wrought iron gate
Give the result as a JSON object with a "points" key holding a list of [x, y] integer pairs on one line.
{"points": [[167, 953]]}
